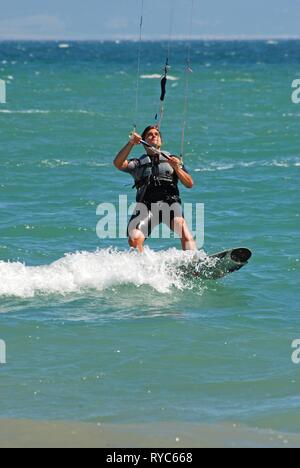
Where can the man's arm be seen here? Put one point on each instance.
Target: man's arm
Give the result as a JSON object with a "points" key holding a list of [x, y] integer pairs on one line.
{"points": [[120, 160], [183, 176]]}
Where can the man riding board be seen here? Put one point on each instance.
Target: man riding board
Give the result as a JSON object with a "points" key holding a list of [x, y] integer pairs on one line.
{"points": [[156, 176]]}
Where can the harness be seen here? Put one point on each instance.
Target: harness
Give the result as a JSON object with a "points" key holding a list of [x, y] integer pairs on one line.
{"points": [[155, 170]]}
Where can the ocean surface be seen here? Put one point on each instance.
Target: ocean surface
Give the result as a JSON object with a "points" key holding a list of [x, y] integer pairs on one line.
{"points": [[95, 333]]}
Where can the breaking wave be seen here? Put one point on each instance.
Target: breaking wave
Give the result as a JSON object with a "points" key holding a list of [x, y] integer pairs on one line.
{"points": [[100, 270]]}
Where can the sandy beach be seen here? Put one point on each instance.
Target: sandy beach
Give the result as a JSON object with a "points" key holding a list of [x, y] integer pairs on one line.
{"points": [[35, 434]]}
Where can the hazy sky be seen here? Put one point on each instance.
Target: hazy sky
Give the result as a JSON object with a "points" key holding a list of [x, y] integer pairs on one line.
{"points": [[101, 19]]}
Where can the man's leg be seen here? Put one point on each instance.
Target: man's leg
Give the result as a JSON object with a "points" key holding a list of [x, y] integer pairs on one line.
{"points": [[136, 240], [139, 227], [180, 226]]}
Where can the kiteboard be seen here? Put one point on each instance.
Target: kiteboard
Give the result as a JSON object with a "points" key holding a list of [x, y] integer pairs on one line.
{"points": [[220, 264]]}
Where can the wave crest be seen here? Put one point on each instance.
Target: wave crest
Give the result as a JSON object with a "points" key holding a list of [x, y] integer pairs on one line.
{"points": [[100, 270]]}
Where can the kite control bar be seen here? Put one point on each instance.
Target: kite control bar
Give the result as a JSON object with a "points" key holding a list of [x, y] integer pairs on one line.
{"points": [[155, 150]]}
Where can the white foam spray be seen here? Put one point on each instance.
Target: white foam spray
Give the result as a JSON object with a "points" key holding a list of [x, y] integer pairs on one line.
{"points": [[100, 270]]}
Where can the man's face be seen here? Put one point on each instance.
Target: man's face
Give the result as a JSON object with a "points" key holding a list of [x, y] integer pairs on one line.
{"points": [[153, 138]]}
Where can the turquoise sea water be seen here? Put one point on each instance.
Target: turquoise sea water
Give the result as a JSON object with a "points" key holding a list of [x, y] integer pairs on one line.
{"points": [[95, 334]]}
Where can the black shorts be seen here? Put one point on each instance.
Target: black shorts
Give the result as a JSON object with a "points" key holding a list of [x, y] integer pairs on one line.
{"points": [[147, 216]]}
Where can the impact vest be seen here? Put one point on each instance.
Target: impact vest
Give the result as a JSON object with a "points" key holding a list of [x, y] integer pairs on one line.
{"points": [[155, 171], [156, 168]]}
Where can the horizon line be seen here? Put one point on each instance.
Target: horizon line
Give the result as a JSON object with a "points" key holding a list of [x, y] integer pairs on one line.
{"points": [[131, 38]]}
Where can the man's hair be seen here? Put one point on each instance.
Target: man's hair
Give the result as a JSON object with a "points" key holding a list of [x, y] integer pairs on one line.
{"points": [[147, 130]]}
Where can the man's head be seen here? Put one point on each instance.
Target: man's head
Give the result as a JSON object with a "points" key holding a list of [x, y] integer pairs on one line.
{"points": [[152, 136]]}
